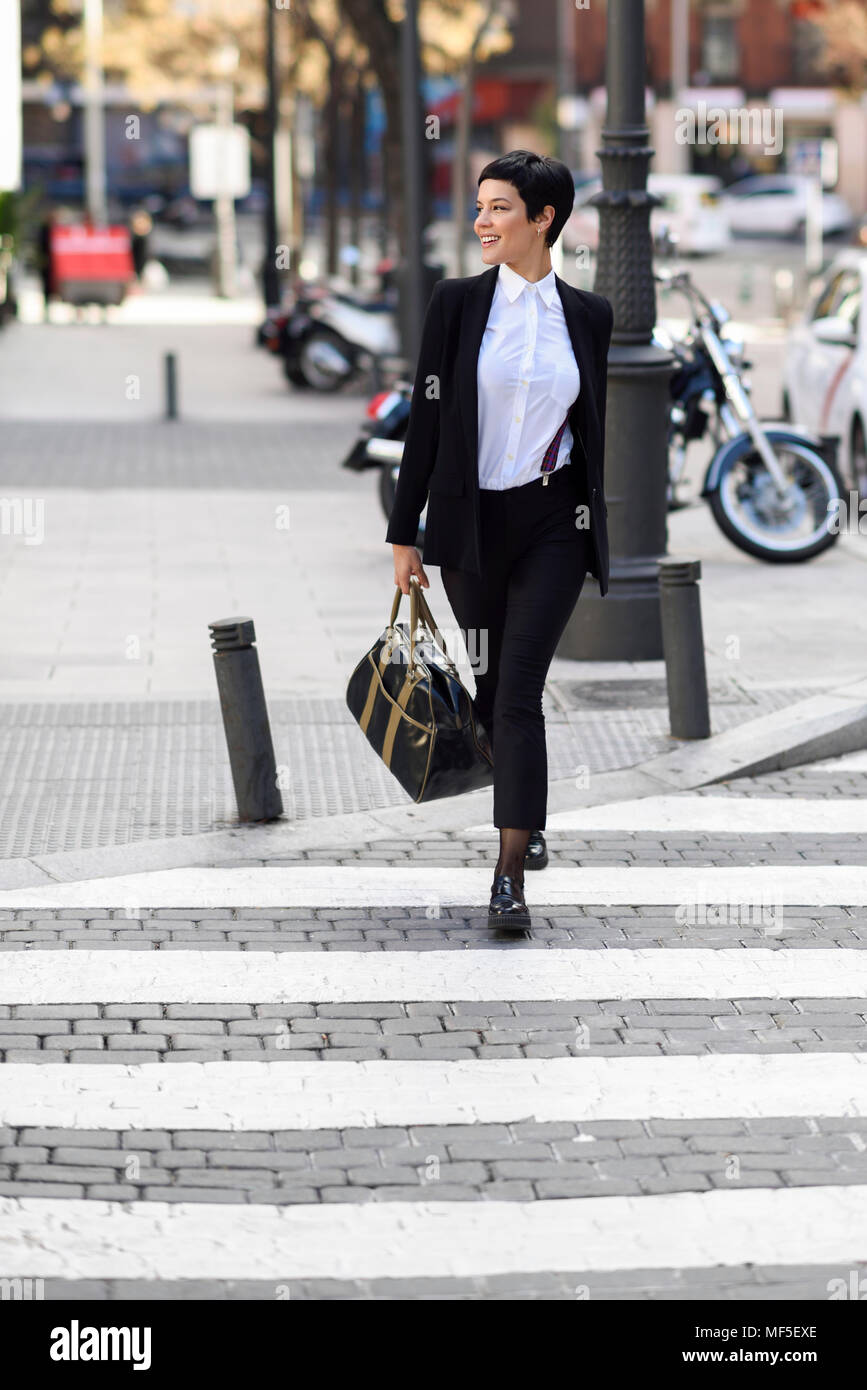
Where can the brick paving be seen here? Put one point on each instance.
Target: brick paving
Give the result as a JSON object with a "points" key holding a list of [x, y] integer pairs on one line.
{"points": [[136, 1033], [585, 927], [519, 1162], [731, 1284], [150, 454]]}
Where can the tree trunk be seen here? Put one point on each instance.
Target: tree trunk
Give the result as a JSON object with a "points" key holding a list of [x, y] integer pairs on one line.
{"points": [[381, 36], [460, 168], [332, 165], [357, 178]]}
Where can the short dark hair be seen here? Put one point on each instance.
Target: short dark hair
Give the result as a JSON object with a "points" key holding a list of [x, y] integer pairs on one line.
{"points": [[540, 180]]}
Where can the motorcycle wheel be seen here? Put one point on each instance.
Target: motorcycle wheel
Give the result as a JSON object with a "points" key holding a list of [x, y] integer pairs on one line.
{"points": [[323, 361], [746, 509], [293, 372], [387, 486], [295, 375]]}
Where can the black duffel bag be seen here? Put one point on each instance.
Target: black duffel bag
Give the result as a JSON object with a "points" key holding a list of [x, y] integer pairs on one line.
{"points": [[414, 711]]}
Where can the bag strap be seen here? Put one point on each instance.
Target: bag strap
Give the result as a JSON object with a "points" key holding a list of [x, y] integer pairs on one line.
{"points": [[419, 615]]}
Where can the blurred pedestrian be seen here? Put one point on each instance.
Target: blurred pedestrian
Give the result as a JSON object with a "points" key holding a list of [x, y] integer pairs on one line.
{"points": [[44, 258], [140, 228]]}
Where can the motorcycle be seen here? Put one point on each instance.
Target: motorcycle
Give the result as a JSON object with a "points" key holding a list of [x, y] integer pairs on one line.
{"points": [[380, 443], [330, 336], [772, 491]]}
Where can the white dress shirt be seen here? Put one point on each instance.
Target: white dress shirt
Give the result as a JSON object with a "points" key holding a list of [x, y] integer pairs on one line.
{"points": [[527, 380]]}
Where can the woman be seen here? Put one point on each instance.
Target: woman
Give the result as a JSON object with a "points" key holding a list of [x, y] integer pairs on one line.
{"points": [[506, 435]]}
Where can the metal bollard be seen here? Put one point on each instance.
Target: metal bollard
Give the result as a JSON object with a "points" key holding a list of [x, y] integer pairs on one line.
{"points": [[683, 645], [171, 377], [245, 719]]}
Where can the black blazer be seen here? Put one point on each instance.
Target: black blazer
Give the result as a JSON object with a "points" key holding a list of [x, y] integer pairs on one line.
{"points": [[441, 450]]}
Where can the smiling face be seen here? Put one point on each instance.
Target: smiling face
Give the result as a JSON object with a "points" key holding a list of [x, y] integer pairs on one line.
{"points": [[501, 224]]}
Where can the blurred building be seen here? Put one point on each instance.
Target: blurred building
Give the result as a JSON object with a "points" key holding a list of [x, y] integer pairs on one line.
{"points": [[752, 54]]}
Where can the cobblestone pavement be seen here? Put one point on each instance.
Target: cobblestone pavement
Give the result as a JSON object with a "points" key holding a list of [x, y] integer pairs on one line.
{"points": [[452, 928], [90, 454], [746, 1282], [652, 1166], [517, 1163]]}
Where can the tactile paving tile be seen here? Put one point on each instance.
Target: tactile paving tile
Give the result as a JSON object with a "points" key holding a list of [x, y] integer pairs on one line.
{"points": [[83, 774]]}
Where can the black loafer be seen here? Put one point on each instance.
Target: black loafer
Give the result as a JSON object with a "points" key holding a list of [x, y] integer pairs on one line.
{"points": [[536, 855], [507, 907]]}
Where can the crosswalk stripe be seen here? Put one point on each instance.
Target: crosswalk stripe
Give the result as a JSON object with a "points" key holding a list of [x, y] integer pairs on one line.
{"points": [[313, 1095], [847, 762], [709, 814], [79, 1239], [361, 886], [268, 977]]}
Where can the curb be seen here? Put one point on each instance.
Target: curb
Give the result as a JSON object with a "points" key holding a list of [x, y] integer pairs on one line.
{"points": [[823, 726]]}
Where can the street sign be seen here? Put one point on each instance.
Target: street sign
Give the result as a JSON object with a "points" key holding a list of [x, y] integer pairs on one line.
{"points": [[219, 161], [816, 158], [10, 96]]}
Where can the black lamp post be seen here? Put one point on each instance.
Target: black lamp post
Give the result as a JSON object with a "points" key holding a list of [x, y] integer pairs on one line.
{"points": [[270, 275], [412, 273], [625, 624]]}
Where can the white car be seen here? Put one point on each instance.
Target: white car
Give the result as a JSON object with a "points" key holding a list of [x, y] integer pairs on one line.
{"points": [[776, 205], [690, 207], [825, 366]]}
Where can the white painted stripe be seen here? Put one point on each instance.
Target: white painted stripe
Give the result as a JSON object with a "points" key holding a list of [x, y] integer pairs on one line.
{"points": [[74, 1239], [345, 977], [847, 762], [710, 814], [358, 886], [313, 1095]]}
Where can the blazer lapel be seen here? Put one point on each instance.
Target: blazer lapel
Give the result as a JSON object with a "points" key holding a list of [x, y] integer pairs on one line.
{"points": [[583, 414], [477, 307]]}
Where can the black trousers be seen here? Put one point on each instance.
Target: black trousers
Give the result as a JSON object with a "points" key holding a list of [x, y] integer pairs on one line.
{"points": [[534, 562]]}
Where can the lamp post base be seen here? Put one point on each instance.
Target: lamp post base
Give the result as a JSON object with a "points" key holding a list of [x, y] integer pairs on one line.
{"points": [[625, 625]]}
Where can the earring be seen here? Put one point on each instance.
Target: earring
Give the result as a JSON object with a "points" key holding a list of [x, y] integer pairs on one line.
{"points": [[538, 231]]}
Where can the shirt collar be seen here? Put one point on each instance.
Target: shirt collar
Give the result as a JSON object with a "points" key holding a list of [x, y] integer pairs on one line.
{"points": [[514, 284]]}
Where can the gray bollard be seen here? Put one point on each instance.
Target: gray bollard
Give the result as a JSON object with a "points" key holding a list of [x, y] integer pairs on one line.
{"points": [[683, 646], [171, 386], [245, 719]]}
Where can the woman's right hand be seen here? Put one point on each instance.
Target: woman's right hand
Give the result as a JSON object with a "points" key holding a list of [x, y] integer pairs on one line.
{"points": [[407, 562]]}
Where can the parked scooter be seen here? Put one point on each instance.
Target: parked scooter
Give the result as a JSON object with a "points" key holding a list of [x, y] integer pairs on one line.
{"points": [[331, 335], [380, 443], [771, 490]]}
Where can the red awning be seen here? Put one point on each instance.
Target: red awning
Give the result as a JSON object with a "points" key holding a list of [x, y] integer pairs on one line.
{"points": [[494, 99]]}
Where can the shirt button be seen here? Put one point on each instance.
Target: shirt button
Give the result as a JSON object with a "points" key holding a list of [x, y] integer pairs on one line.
{"points": [[510, 456]]}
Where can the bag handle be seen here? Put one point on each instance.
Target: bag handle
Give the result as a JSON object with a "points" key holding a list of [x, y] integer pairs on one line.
{"points": [[419, 615]]}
